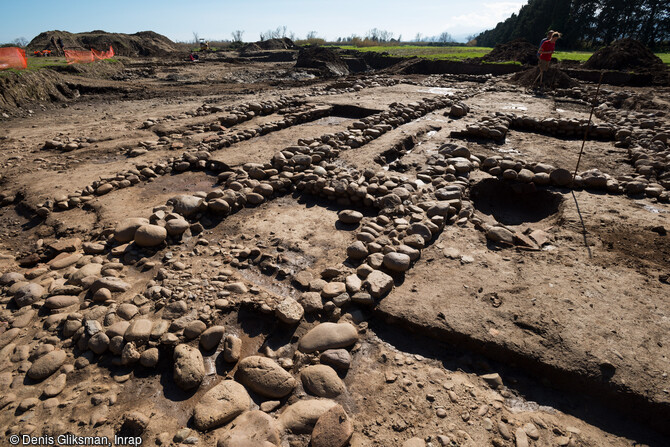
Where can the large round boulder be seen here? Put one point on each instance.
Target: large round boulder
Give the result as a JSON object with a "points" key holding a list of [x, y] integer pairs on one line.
{"points": [[265, 377], [91, 269], [301, 416], [332, 429], [322, 381], [350, 216], [46, 365], [177, 227], [150, 235], [28, 294], [9, 278], [189, 368], [220, 405], [61, 301], [125, 230], [328, 336], [251, 429], [211, 337], [187, 205], [397, 262]]}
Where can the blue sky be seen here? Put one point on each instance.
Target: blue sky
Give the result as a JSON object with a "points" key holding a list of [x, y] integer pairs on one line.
{"points": [[215, 20]]}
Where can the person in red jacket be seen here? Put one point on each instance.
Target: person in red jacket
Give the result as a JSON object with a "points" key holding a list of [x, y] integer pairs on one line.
{"points": [[546, 50], [549, 34]]}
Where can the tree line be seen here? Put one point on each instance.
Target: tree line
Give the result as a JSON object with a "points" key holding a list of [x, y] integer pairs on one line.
{"points": [[586, 24], [373, 35]]}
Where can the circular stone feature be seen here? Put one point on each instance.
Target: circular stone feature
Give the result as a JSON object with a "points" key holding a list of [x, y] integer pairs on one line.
{"points": [[514, 206]]}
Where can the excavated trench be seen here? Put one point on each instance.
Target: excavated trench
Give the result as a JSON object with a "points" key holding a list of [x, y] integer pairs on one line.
{"points": [[351, 111], [514, 204]]}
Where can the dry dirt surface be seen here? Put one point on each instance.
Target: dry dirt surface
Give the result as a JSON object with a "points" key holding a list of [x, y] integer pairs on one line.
{"points": [[235, 253]]}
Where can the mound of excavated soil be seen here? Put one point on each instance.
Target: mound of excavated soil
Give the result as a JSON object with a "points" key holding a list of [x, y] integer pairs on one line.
{"points": [[277, 44], [553, 78], [54, 85], [624, 54], [519, 50], [144, 43], [18, 89], [250, 48], [268, 45], [324, 59]]}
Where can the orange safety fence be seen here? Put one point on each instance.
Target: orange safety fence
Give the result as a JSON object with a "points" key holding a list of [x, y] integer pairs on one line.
{"points": [[84, 57], [13, 57], [100, 55], [78, 56]]}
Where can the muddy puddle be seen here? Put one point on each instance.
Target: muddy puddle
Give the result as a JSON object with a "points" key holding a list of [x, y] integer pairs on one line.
{"points": [[445, 91]]}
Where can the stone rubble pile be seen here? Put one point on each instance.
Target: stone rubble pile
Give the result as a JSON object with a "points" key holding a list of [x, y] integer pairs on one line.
{"points": [[496, 127], [542, 174], [67, 144], [356, 85], [243, 111]]}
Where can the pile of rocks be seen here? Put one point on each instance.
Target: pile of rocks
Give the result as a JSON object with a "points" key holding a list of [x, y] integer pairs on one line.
{"points": [[451, 161], [140, 334], [66, 144], [359, 133], [385, 245], [653, 163], [563, 128], [90, 310], [159, 324], [241, 110], [496, 127], [618, 99], [247, 111], [480, 79], [356, 85], [504, 236], [488, 127], [542, 174], [636, 127]]}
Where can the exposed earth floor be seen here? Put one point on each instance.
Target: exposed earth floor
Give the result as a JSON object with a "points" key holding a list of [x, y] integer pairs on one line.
{"points": [[533, 311]]}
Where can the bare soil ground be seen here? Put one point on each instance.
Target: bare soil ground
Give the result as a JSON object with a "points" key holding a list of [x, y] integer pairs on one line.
{"points": [[574, 321]]}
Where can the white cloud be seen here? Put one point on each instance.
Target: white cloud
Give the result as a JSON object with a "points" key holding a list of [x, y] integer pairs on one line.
{"points": [[486, 17]]}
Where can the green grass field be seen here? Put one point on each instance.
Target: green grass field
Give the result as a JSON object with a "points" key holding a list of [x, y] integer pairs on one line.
{"points": [[461, 53], [665, 57], [35, 63], [437, 53]]}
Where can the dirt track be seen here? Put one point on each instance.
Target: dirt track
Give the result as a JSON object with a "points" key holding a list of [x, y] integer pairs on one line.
{"points": [[560, 288]]}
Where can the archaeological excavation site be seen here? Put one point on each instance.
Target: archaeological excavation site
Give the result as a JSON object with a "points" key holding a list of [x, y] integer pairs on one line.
{"points": [[283, 246]]}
